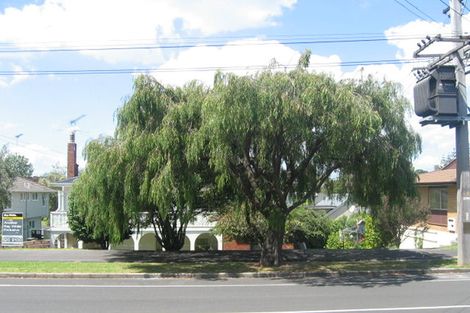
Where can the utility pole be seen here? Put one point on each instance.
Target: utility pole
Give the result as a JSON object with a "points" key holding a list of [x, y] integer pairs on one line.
{"points": [[461, 137], [440, 97]]}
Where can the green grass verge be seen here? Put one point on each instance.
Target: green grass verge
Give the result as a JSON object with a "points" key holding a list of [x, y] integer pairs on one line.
{"points": [[228, 267]]}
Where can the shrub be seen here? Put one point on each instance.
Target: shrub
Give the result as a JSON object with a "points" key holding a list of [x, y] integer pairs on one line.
{"points": [[344, 233], [306, 226]]}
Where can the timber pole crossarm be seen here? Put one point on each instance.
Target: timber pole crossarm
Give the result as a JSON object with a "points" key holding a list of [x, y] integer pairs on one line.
{"points": [[442, 58]]}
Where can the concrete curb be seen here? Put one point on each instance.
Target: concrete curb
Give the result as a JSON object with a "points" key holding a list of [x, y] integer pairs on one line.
{"points": [[287, 275]]}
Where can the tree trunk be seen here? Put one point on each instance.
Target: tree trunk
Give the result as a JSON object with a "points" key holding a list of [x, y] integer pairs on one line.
{"points": [[271, 249]]}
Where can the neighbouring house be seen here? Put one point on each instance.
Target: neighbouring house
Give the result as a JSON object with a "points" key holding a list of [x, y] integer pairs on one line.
{"points": [[438, 193], [198, 233], [31, 199], [334, 206]]}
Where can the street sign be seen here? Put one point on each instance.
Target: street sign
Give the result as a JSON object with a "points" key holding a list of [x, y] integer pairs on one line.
{"points": [[12, 229]]}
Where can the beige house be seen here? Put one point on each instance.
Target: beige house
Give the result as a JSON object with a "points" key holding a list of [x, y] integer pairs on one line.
{"points": [[438, 193]]}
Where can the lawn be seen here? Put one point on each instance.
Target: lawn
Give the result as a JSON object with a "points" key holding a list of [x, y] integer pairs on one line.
{"points": [[208, 267]]}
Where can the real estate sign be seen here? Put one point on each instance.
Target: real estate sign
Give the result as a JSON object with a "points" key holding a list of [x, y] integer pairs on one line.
{"points": [[12, 229]]}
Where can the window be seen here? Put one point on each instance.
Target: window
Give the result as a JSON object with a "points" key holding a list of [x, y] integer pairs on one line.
{"points": [[43, 199], [438, 204], [24, 196], [34, 196], [438, 198]]}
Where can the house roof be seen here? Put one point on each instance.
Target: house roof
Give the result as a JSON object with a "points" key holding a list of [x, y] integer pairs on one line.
{"points": [[64, 182], [332, 202], [25, 185], [438, 177], [451, 165]]}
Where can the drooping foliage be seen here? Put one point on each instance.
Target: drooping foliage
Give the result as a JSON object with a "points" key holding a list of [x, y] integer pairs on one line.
{"points": [[143, 176], [385, 166], [257, 147], [279, 136]]}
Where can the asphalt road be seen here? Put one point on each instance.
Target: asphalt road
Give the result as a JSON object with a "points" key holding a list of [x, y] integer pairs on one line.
{"points": [[442, 293]]}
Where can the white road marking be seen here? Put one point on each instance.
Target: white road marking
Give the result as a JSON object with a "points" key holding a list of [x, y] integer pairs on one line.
{"points": [[382, 281], [146, 286], [416, 308]]}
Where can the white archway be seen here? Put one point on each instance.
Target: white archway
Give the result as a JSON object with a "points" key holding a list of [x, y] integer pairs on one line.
{"points": [[64, 241], [148, 242], [206, 242], [127, 245]]}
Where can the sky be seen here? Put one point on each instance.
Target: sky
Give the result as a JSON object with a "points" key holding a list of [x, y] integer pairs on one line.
{"points": [[66, 59]]}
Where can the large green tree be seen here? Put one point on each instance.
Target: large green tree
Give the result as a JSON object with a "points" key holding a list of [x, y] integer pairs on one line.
{"points": [[6, 180], [18, 165], [279, 136], [11, 166], [142, 176]]}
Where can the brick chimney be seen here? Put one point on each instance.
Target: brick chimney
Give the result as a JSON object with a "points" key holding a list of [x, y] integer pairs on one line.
{"points": [[72, 166]]}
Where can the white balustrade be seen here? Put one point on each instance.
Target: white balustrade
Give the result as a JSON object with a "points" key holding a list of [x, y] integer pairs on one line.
{"points": [[59, 220]]}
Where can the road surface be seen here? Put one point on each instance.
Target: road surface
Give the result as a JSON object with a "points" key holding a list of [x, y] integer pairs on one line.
{"points": [[401, 293]]}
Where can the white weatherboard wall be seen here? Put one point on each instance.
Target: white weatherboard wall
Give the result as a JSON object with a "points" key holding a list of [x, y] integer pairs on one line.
{"points": [[32, 200]]}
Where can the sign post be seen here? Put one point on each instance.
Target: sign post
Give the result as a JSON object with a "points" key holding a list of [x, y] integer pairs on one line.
{"points": [[12, 229]]}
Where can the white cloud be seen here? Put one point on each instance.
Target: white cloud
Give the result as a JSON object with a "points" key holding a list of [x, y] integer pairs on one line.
{"points": [[8, 126], [215, 16], [240, 57], [7, 81], [78, 23], [405, 37], [325, 64], [40, 156]]}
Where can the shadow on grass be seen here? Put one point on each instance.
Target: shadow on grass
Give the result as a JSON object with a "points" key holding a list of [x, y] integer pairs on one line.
{"points": [[210, 269], [364, 273], [317, 255]]}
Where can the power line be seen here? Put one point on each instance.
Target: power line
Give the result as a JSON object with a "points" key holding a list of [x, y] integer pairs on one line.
{"points": [[184, 46], [328, 39], [50, 152], [419, 10], [198, 69], [459, 13], [202, 40], [409, 10], [464, 5]]}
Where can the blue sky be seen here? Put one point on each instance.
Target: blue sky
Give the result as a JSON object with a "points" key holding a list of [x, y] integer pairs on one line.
{"points": [[248, 34]]}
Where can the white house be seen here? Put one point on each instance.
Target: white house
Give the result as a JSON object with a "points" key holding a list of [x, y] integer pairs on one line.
{"points": [[31, 199], [198, 235]]}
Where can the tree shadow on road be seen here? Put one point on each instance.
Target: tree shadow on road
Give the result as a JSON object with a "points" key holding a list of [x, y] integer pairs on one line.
{"points": [[365, 280]]}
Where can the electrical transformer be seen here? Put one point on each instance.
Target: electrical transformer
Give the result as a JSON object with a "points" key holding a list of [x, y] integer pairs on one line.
{"points": [[436, 94]]}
